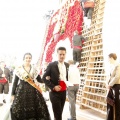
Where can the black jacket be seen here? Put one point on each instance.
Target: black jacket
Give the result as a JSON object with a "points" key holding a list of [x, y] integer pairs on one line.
{"points": [[53, 71]]}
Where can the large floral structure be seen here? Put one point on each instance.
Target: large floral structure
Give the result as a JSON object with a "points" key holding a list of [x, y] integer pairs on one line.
{"points": [[62, 25]]}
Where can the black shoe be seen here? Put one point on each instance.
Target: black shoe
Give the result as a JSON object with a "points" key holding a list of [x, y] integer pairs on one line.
{"points": [[1, 104], [4, 101]]}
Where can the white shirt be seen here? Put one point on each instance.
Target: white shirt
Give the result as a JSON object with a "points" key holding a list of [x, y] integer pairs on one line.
{"points": [[73, 75], [62, 70], [111, 69]]}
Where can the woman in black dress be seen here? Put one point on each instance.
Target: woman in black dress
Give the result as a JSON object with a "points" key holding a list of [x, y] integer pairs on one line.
{"points": [[28, 102]]}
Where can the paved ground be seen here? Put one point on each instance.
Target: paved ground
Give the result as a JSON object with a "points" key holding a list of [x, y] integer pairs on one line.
{"points": [[86, 114]]}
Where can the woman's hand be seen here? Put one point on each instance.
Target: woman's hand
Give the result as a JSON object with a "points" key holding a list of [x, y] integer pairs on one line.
{"points": [[12, 97], [47, 77]]}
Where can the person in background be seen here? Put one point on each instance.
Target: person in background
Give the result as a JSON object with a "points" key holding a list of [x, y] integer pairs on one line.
{"points": [[5, 81], [78, 41], [88, 6], [73, 86], [44, 69], [28, 101], [113, 86], [46, 88], [58, 73]]}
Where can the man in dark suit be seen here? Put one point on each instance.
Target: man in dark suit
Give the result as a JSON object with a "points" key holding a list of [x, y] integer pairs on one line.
{"points": [[57, 71]]}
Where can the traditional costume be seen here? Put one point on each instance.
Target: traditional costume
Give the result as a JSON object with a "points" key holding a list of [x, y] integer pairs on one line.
{"points": [[29, 103]]}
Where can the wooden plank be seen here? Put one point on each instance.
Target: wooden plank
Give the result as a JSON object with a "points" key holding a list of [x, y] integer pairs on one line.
{"points": [[96, 62], [87, 106], [102, 103], [95, 68], [95, 87], [94, 90], [101, 81]]}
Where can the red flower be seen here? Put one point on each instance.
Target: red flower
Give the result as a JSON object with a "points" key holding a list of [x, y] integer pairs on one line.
{"points": [[74, 22]]}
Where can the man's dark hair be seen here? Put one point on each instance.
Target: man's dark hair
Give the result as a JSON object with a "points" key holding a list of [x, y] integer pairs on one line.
{"points": [[113, 55], [61, 48]]}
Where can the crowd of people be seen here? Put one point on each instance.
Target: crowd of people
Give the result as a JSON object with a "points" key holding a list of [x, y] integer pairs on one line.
{"points": [[59, 77]]}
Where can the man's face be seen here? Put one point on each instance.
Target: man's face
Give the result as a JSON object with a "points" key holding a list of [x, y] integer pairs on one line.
{"points": [[61, 55]]}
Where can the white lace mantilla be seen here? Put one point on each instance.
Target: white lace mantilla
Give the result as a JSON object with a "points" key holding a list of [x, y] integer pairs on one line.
{"points": [[21, 73]]}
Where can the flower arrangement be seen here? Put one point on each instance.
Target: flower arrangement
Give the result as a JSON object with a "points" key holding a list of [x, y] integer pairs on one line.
{"points": [[70, 18]]}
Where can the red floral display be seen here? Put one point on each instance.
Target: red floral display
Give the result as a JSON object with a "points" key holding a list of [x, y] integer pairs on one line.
{"points": [[74, 22]]}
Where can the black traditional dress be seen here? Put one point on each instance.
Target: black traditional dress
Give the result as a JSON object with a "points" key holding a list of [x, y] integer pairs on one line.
{"points": [[29, 103]]}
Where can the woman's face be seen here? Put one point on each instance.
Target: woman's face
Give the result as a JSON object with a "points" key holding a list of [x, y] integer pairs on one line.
{"points": [[27, 59], [110, 60]]}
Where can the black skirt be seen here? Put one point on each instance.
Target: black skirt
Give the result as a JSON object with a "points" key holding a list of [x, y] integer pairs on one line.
{"points": [[113, 111], [29, 104]]}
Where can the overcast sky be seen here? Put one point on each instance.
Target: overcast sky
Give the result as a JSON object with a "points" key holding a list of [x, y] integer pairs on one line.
{"points": [[22, 27]]}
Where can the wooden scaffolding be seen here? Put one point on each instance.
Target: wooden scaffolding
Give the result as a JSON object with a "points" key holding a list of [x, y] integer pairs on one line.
{"points": [[92, 90]]}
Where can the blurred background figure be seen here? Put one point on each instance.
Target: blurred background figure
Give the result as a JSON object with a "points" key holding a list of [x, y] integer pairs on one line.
{"points": [[78, 41], [73, 86], [5, 80], [46, 88], [88, 6]]}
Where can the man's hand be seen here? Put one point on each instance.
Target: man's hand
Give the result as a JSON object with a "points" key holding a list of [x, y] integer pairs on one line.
{"points": [[57, 88], [3, 75], [37, 83], [10, 84]]}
